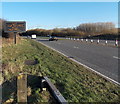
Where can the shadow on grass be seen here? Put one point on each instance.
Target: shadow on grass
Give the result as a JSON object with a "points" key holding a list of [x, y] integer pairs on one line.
{"points": [[34, 83], [9, 90]]}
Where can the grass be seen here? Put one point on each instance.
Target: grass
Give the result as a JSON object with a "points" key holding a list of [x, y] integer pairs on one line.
{"points": [[75, 82]]}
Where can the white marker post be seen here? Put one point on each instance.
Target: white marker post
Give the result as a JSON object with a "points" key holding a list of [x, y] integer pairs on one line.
{"points": [[86, 40], [98, 41], [91, 40], [106, 42], [116, 42]]}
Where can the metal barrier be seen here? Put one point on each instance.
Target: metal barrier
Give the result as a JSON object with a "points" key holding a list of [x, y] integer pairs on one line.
{"points": [[53, 90], [45, 83]]}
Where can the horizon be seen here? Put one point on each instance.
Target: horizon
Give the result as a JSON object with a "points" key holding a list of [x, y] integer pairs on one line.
{"points": [[50, 15]]}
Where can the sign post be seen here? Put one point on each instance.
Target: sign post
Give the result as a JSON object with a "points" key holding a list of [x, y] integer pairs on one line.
{"points": [[15, 27], [15, 42]]}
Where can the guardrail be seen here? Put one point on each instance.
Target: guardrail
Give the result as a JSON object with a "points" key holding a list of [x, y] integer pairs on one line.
{"points": [[45, 83]]}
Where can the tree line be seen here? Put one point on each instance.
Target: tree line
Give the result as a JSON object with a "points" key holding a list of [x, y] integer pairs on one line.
{"points": [[85, 30], [81, 31]]}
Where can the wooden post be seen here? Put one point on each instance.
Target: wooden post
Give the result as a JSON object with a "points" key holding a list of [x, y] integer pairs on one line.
{"points": [[15, 40], [22, 88]]}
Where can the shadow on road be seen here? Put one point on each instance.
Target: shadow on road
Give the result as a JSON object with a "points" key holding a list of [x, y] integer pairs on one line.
{"points": [[43, 40]]}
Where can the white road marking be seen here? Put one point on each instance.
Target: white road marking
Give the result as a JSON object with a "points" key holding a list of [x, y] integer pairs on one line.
{"points": [[75, 47], [59, 43], [116, 57], [109, 79]]}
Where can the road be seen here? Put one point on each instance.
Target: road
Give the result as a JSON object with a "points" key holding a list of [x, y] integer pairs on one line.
{"points": [[101, 58]]}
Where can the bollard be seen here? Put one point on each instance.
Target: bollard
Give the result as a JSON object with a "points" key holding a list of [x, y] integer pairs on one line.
{"points": [[81, 39], [98, 41], [86, 40], [116, 43], [106, 42], [91, 41]]}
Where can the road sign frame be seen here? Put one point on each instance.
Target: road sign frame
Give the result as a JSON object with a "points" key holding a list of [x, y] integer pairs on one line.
{"points": [[17, 26]]}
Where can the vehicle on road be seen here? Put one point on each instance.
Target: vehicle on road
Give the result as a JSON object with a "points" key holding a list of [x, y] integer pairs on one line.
{"points": [[33, 36], [53, 39]]}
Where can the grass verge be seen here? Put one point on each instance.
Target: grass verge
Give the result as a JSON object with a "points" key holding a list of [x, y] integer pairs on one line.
{"points": [[76, 83]]}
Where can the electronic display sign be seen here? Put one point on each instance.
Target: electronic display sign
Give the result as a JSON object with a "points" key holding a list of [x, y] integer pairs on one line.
{"points": [[15, 26]]}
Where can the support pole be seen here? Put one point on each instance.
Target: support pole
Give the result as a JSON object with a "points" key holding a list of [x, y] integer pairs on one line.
{"points": [[15, 40]]}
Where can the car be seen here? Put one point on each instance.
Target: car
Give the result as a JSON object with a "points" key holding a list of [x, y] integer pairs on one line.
{"points": [[53, 38]]}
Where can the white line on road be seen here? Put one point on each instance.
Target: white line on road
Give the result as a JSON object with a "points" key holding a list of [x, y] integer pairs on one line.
{"points": [[59, 43], [116, 57], [83, 65], [75, 47]]}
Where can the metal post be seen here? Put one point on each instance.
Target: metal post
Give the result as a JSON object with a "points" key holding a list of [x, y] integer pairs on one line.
{"points": [[15, 40]]}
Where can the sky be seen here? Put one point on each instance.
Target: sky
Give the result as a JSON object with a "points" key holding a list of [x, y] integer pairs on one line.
{"points": [[60, 0], [49, 15]]}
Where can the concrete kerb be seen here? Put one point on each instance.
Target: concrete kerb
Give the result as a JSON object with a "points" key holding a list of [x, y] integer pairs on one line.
{"points": [[107, 78]]}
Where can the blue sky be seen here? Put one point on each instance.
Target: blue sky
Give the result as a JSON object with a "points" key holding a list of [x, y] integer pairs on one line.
{"points": [[49, 15]]}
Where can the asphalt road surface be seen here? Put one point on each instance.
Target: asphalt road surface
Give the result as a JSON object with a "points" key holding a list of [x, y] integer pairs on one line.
{"points": [[103, 59]]}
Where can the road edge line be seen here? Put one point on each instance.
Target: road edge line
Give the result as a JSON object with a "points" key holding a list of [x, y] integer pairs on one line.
{"points": [[107, 78]]}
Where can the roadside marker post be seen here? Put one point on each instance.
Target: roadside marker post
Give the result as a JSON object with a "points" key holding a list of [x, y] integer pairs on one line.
{"points": [[116, 43], [98, 41], [91, 40], [81, 39], [106, 42], [86, 40]]}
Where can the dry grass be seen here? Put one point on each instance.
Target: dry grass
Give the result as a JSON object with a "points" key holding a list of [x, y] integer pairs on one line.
{"points": [[76, 83]]}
